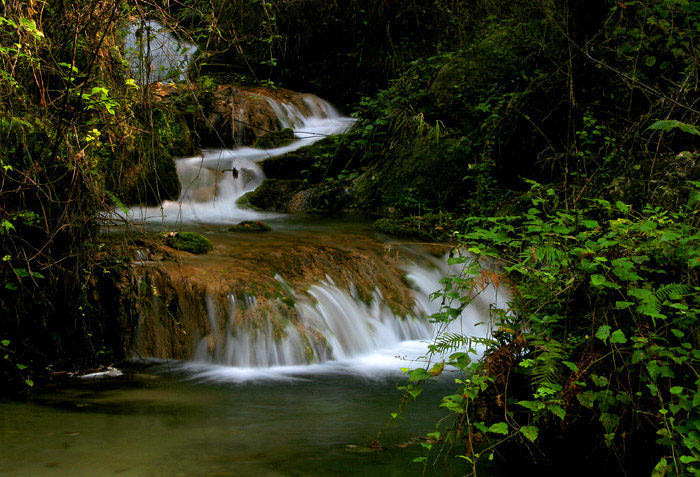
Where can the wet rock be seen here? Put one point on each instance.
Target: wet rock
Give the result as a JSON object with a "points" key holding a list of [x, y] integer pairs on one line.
{"points": [[275, 139], [272, 195], [235, 115]]}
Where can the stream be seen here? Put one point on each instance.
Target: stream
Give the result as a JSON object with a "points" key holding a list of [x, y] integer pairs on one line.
{"points": [[229, 408]]}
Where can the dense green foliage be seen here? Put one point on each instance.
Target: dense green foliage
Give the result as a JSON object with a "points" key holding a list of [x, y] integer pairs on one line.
{"points": [[601, 328], [601, 261]]}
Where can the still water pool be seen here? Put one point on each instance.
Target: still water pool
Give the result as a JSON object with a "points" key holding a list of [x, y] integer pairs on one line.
{"points": [[164, 420]]}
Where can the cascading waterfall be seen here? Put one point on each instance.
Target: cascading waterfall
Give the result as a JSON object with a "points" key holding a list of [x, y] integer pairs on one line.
{"points": [[326, 328], [323, 324], [209, 190]]}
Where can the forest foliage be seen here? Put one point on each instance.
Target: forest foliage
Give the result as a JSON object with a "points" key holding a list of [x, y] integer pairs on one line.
{"points": [[557, 138]]}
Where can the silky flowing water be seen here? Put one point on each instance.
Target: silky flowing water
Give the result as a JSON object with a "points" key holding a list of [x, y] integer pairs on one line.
{"points": [[230, 409]]}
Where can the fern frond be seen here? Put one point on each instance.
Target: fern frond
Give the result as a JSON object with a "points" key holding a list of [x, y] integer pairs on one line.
{"points": [[548, 355], [673, 291], [448, 342]]}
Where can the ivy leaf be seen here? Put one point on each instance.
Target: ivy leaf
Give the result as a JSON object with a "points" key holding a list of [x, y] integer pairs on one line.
{"points": [[530, 432], [603, 333], [618, 336]]}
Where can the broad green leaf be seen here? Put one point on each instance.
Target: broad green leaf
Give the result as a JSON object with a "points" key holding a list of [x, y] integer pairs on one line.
{"points": [[609, 421], [603, 333], [671, 124], [557, 411], [571, 366], [499, 428], [618, 336], [532, 405], [530, 432]]}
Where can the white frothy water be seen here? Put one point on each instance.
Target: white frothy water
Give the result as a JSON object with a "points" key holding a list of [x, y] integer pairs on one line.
{"points": [[156, 54], [209, 189], [335, 333]]}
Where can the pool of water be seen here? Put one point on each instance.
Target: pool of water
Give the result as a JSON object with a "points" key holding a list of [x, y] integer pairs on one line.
{"points": [[165, 420]]}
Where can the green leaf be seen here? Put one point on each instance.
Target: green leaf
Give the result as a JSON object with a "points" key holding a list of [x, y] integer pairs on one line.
{"points": [[419, 374], [660, 468], [532, 405], [557, 411], [671, 124], [676, 390], [530, 432], [618, 337], [609, 421], [597, 280], [499, 428], [603, 333], [5, 342], [571, 366]]}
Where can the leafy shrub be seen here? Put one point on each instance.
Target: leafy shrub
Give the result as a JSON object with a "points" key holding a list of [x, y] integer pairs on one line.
{"points": [[602, 327]]}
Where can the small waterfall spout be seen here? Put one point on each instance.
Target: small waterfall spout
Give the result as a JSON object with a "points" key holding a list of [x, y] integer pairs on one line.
{"points": [[156, 54]]}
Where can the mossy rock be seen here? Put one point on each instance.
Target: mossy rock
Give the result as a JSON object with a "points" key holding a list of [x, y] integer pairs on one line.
{"points": [[275, 139], [431, 227], [250, 226], [300, 163], [188, 242], [272, 194]]}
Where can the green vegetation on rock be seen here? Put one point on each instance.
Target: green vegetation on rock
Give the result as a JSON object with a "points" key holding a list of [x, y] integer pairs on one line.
{"points": [[249, 226], [188, 242]]}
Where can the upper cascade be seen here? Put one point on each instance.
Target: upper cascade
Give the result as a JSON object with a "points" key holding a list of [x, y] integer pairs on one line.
{"points": [[242, 116]]}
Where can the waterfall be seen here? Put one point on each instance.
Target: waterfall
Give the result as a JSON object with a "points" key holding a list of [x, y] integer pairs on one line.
{"points": [[325, 323], [323, 327], [156, 54], [209, 190]]}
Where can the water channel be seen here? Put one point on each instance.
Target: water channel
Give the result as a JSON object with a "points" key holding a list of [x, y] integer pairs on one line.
{"points": [[216, 413]]}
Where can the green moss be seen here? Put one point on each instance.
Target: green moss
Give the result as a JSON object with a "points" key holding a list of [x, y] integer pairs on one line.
{"points": [[250, 226], [431, 227], [189, 242]]}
